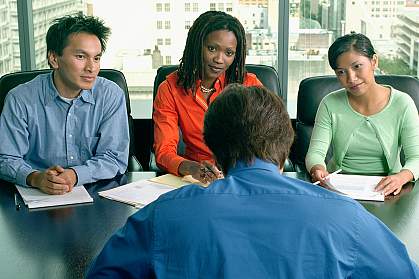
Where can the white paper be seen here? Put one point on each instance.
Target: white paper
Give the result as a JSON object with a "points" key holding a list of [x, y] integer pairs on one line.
{"points": [[359, 187], [138, 193], [34, 198]]}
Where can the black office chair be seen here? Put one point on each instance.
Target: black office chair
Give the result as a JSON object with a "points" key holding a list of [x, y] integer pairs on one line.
{"points": [[311, 92], [11, 80], [266, 74]]}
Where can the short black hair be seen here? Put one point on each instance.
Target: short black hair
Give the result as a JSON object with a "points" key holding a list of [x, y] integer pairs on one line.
{"points": [[59, 32], [245, 123], [353, 41], [191, 64]]}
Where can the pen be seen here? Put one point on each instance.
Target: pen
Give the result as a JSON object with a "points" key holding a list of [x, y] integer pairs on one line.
{"points": [[17, 204], [328, 176]]}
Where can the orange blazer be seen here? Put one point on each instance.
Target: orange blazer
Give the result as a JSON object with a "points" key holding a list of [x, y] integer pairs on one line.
{"points": [[175, 108]]}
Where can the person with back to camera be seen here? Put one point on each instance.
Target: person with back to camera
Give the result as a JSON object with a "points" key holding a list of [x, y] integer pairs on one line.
{"points": [[214, 56], [366, 123], [58, 130], [254, 223]]}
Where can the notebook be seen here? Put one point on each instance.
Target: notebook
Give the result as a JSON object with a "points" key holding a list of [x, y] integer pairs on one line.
{"points": [[35, 198]]}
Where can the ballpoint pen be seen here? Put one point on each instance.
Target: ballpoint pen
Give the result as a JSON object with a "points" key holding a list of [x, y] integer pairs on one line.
{"points": [[17, 204], [328, 176]]}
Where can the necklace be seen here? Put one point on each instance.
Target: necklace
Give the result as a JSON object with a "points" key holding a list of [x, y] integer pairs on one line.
{"points": [[206, 90]]}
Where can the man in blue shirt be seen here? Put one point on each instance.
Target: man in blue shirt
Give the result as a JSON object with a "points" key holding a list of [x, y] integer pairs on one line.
{"points": [[254, 223], [68, 127]]}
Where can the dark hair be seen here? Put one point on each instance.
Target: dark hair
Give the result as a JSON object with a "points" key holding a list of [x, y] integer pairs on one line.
{"points": [[353, 41], [191, 63], [245, 123], [62, 28]]}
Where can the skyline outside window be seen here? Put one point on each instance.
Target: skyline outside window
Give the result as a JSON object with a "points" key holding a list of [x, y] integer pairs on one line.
{"points": [[140, 41]]}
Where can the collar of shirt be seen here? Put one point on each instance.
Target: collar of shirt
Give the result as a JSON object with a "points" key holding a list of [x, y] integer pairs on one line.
{"points": [[218, 86], [85, 95], [256, 164]]}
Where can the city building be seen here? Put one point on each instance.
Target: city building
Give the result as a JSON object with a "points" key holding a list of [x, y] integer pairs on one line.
{"points": [[407, 37], [44, 11], [263, 3]]}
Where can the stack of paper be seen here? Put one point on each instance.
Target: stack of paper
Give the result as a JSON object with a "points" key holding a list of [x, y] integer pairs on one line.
{"points": [[138, 193], [141, 193], [359, 187], [34, 198]]}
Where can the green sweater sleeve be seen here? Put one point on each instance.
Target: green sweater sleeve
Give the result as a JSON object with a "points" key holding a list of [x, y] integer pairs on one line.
{"points": [[409, 137], [320, 138]]}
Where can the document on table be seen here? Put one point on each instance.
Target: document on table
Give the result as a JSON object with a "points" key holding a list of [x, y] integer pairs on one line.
{"points": [[34, 198], [138, 193], [358, 187], [141, 193]]}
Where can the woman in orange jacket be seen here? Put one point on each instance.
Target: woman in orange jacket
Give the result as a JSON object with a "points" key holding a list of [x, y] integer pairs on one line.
{"points": [[214, 56]]}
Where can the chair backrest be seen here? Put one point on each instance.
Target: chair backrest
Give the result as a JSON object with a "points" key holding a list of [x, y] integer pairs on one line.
{"points": [[11, 80], [312, 90], [266, 74]]}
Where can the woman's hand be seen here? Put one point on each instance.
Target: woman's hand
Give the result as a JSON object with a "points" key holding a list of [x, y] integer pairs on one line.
{"points": [[394, 183], [205, 172], [318, 173]]}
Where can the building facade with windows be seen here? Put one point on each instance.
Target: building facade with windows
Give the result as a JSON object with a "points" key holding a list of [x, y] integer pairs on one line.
{"points": [[44, 11], [407, 38]]}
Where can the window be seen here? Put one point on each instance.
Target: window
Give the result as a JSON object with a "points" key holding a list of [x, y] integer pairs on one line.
{"points": [[312, 28], [168, 60], [187, 7], [229, 7], [167, 24]]}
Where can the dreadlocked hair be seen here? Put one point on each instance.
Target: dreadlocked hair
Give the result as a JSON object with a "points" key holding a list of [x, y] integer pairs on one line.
{"points": [[191, 64]]}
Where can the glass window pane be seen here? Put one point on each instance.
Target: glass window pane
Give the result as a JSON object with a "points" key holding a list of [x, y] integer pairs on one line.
{"points": [[162, 36], [44, 12], [9, 38], [314, 25]]}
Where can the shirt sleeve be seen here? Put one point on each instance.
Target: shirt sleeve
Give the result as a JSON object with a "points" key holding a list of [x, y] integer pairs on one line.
{"points": [[128, 253], [111, 156], [14, 138], [380, 254], [320, 138], [166, 130], [410, 138]]}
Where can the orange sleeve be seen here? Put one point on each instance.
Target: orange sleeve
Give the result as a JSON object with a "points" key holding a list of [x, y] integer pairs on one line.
{"points": [[166, 130]]}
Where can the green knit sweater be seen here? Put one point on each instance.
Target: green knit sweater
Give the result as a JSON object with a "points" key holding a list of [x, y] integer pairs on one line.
{"points": [[396, 127]]}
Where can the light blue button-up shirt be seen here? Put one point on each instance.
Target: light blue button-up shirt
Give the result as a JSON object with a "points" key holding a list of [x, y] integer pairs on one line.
{"points": [[255, 223], [39, 130]]}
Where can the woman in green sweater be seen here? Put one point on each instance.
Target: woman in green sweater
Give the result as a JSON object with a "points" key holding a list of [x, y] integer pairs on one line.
{"points": [[366, 123]]}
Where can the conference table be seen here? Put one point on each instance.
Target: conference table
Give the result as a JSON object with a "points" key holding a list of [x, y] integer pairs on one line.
{"points": [[61, 242]]}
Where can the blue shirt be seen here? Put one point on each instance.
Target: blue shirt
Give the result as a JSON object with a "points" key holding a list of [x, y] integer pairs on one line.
{"points": [[255, 223], [39, 130]]}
